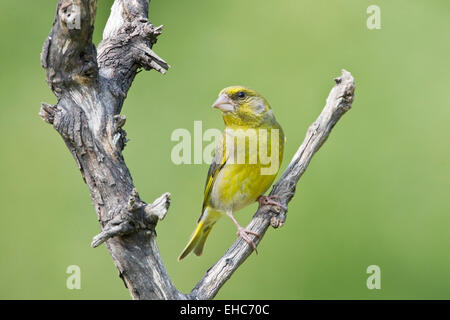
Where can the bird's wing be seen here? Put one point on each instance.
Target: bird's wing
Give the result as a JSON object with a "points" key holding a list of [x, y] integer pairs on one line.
{"points": [[217, 164]]}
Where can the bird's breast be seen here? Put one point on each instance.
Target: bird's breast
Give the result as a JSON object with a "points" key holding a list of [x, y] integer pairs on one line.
{"points": [[249, 171]]}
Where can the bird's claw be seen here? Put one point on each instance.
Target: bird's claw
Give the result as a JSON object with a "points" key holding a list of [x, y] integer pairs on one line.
{"points": [[273, 200], [244, 234]]}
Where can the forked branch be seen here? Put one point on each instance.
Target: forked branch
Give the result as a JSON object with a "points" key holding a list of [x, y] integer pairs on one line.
{"points": [[91, 88]]}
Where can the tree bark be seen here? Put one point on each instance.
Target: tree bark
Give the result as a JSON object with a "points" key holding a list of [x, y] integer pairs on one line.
{"points": [[90, 87]]}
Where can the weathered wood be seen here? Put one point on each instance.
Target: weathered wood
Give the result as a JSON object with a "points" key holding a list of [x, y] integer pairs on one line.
{"points": [[90, 96], [91, 88]]}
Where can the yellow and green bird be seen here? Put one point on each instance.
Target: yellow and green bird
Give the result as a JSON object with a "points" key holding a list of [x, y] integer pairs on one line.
{"points": [[245, 163]]}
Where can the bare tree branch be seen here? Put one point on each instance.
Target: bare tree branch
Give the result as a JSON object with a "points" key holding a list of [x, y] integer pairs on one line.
{"points": [[127, 43], [90, 96], [91, 89], [339, 101]]}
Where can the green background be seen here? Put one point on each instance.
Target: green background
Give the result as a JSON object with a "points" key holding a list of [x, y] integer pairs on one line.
{"points": [[377, 193]]}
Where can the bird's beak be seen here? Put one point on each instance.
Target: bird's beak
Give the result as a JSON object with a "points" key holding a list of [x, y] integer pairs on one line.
{"points": [[223, 103]]}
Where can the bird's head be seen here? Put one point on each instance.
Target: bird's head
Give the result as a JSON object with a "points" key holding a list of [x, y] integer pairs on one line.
{"points": [[242, 106]]}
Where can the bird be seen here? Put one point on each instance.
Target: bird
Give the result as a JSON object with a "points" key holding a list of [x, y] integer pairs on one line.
{"points": [[240, 173]]}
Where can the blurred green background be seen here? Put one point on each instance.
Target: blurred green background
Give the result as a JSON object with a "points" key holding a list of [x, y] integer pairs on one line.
{"points": [[377, 193]]}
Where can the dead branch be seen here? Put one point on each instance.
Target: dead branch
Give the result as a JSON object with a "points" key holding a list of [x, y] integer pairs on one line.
{"points": [[91, 87]]}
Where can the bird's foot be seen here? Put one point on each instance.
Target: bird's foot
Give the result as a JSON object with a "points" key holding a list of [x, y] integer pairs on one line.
{"points": [[244, 234], [271, 200]]}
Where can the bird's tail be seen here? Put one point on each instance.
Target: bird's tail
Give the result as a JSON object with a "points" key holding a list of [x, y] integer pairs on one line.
{"points": [[201, 232]]}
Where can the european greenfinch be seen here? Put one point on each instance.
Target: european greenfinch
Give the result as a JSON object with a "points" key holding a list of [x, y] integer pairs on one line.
{"points": [[240, 172]]}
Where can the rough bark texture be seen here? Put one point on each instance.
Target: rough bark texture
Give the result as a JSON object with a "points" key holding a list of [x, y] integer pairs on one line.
{"points": [[90, 91], [91, 88]]}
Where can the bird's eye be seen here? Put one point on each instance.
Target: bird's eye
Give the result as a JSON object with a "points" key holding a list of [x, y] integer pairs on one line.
{"points": [[241, 94]]}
